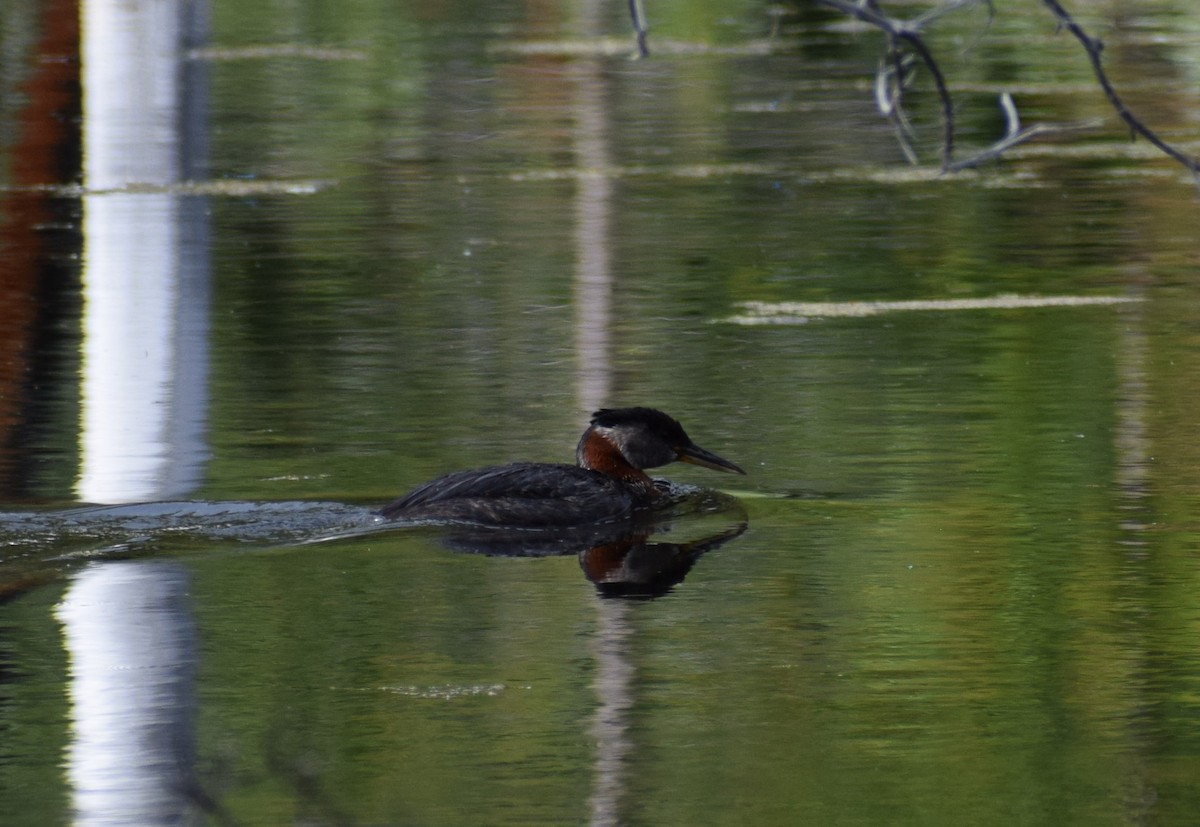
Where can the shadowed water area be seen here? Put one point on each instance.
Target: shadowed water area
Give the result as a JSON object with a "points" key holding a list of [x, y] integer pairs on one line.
{"points": [[263, 269]]}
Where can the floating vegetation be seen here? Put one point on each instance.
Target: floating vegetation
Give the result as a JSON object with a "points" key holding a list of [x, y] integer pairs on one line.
{"points": [[670, 171], [618, 47], [305, 51], [448, 692], [236, 187], [1008, 179], [1099, 150], [762, 313]]}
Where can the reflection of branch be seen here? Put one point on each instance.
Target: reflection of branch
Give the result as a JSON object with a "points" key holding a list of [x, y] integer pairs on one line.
{"points": [[638, 15], [910, 34], [889, 85], [1013, 135], [891, 80], [934, 14], [1093, 47]]}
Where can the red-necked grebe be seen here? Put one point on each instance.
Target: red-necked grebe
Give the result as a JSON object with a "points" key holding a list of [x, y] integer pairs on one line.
{"points": [[606, 483]]}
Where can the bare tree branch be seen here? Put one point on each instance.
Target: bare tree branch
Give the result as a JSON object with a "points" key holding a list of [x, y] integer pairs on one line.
{"points": [[904, 40], [1094, 47], [890, 84]]}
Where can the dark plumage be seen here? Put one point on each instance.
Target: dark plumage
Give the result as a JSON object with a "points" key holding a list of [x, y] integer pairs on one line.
{"points": [[607, 484]]}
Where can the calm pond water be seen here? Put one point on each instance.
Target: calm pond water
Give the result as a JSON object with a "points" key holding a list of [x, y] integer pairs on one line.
{"points": [[267, 266]]}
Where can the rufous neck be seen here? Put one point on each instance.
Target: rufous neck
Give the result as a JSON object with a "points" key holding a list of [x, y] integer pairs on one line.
{"points": [[597, 453]]}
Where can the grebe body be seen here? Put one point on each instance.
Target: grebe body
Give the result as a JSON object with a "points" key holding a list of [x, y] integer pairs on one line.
{"points": [[607, 483]]}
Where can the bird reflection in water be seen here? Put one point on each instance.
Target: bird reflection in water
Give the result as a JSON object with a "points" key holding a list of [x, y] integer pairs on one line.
{"points": [[630, 560], [637, 566]]}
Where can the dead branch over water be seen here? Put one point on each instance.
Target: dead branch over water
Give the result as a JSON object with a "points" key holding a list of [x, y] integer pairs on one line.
{"points": [[908, 34], [893, 78], [906, 46], [1093, 47]]}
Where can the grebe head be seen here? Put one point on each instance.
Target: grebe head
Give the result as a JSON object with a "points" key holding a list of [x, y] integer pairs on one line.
{"points": [[641, 438]]}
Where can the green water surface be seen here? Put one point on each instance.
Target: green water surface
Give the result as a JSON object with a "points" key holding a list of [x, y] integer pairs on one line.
{"points": [[969, 592]]}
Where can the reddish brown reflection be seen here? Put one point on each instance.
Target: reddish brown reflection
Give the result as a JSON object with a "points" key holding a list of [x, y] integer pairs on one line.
{"points": [[39, 238]]}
